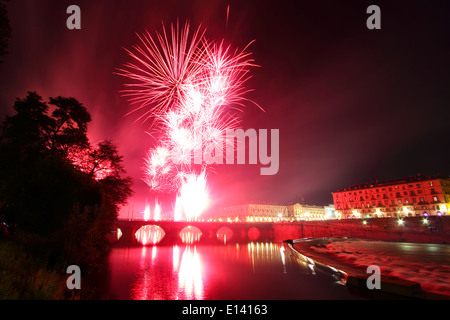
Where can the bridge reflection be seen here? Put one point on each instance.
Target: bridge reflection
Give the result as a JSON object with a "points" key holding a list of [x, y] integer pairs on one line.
{"points": [[189, 272], [140, 232]]}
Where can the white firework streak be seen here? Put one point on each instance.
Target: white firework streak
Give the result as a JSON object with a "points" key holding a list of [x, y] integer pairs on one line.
{"points": [[193, 90]]}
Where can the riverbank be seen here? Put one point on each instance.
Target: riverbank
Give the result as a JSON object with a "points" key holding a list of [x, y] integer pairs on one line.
{"points": [[396, 260], [26, 277], [31, 268]]}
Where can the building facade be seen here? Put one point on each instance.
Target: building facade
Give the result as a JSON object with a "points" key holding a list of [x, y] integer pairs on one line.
{"points": [[260, 212], [406, 197], [299, 212], [330, 213]]}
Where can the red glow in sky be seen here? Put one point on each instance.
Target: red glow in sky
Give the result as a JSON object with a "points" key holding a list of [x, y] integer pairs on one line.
{"points": [[352, 105]]}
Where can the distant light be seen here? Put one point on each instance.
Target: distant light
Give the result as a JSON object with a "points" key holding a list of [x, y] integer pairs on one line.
{"points": [[400, 222], [364, 222], [425, 214], [425, 221]]}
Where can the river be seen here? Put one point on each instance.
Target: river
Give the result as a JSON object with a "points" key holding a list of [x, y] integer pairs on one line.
{"points": [[228, 271]]}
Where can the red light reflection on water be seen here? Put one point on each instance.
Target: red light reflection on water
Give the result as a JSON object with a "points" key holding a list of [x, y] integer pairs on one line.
{"points": [[190, 274], [187, 272], [150, 234], [190, 235], [155, 281]]}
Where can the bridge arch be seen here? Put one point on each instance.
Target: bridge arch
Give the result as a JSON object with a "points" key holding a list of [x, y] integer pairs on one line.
{"points": [[224, 234], [150, 234], [254, 234], [190, 234], [209, 230]]}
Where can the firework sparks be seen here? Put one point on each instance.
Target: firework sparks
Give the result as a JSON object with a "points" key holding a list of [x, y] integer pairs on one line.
{"points": [[163, 70], [146, 212], [178, 210], [194, 195], [157, 211], [191, 89]]}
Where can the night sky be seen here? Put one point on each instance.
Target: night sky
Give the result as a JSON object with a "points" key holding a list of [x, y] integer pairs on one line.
{"points": [[352, 105]]}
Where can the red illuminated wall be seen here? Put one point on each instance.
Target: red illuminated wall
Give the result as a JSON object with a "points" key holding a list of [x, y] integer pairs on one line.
{"points": [[436, 230], [414, 196]]}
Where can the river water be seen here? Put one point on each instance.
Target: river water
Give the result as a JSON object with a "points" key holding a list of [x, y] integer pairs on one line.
{"points": [[227, 271]]}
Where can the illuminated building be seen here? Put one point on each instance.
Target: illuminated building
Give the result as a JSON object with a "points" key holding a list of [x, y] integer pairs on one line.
{"points": [[262, 212], [405, 197], [330, 213], [306, 212], [253, 212]]}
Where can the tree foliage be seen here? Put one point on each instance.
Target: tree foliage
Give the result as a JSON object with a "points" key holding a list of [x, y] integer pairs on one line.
{"points": [[54, 183]]}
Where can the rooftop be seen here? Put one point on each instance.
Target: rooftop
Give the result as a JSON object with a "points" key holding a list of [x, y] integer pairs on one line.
{"points": [[378, 183]]}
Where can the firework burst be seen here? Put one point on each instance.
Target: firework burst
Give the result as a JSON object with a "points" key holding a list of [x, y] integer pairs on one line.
{"points": [[162, 70], [192, 90]]}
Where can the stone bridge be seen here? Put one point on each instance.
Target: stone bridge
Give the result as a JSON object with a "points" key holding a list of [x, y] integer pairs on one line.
{"points": [[172, 229]]}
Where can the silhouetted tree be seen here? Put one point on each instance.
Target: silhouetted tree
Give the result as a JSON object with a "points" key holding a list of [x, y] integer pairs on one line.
{"points": [[32, 131], [53, 183]]}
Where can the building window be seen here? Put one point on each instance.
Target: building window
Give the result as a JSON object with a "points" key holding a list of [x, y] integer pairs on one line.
{"points": [[431, 183], [435, 199]]}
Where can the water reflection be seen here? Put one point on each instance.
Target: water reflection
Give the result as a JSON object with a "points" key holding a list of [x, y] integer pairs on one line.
{"points": [[154, 281], [190, 281], [183, 272], [254, 270]]}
